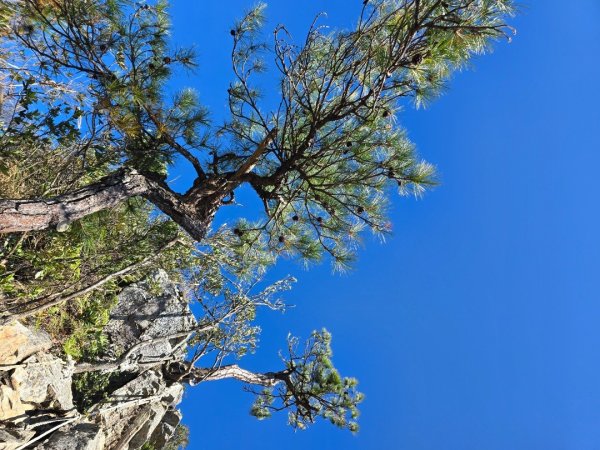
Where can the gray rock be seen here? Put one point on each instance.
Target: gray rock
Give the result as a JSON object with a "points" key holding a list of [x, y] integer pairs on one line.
{"points": [[147, 384], [131, 422], [141, 410], [41, 381], [172, 395], [11, 405], [156, 413], [166, 428], [10, 439], [44, 381], [83, 436], [121, 423], [147, 310]]}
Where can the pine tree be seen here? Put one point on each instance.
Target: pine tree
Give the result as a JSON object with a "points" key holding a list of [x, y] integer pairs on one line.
{"points": [[321, 162], [88, 136]]}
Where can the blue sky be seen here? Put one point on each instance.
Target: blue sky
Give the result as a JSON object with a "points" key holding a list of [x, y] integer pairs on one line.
{"points": [[475, 326]]}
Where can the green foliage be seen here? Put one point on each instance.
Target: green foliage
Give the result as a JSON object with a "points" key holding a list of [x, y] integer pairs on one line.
{"points": [[339, 148], [82, 322], [336, 149], [88, 96], [311, 387], [127, 69], [91, 388], [6, 14]]}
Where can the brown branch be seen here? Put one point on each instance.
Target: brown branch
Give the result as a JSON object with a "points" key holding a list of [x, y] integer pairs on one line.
{"points": [[253, 159]]}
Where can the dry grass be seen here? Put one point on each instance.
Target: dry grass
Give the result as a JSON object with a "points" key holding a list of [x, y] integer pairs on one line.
{"points": [[41, 173]]}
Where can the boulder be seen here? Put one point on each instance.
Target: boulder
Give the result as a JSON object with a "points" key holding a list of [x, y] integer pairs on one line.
{"points": [[40, 380], [10, 403], [44, 381]]}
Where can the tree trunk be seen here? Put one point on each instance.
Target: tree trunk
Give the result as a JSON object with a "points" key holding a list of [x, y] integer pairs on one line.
{"points": [[193, 211], [40, 214]]}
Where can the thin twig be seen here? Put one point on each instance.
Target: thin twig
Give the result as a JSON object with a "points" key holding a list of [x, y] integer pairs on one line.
{"points": [[57, 301]]}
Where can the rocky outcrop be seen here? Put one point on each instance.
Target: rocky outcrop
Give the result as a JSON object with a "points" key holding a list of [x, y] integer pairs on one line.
{"points": [[138, 409], [35, 386], [146, 311], [37, 381], [166, 428]]}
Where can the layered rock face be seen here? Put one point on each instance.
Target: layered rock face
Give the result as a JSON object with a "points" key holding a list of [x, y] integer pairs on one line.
{"points": [[36, 400]]}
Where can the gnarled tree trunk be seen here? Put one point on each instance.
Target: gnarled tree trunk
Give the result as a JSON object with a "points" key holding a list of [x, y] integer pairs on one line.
{"points": [[40, 214], [193, 211]]}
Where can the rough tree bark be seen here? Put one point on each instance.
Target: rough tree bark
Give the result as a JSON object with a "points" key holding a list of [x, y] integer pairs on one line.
{"points": [[193, 211], [39, 214]]}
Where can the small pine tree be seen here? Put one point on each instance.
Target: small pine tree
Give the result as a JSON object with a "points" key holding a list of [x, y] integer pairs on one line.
{"points": [[310, 387]]}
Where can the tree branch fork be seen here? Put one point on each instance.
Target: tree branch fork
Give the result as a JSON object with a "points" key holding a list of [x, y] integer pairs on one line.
{"points": [[193, 210]]}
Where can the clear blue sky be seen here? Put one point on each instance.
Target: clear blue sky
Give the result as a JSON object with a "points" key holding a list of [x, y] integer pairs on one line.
{"points": [[476, 326]]}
